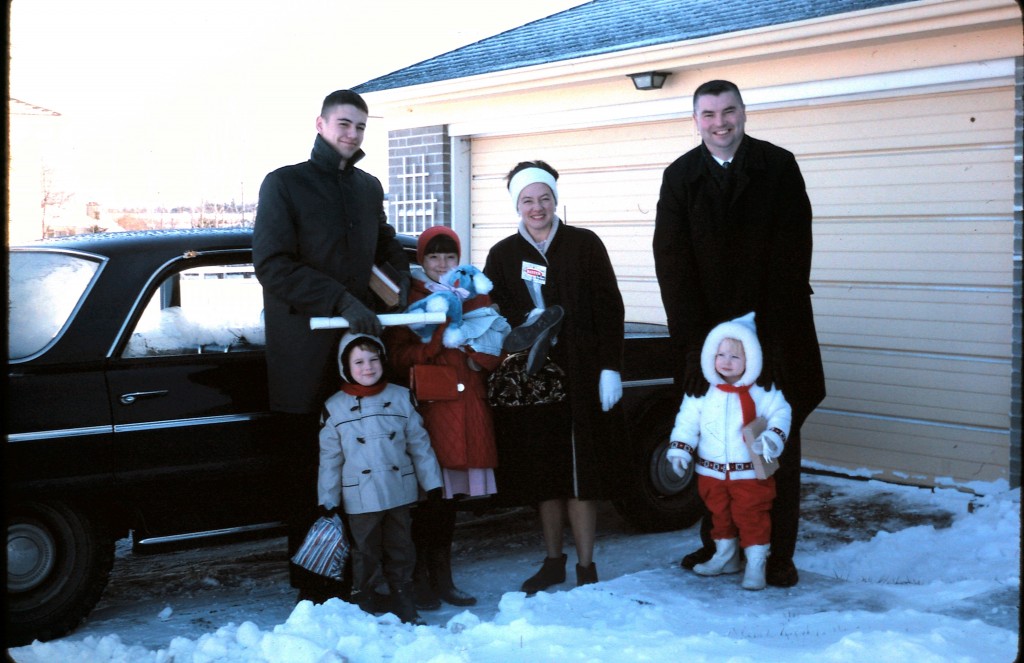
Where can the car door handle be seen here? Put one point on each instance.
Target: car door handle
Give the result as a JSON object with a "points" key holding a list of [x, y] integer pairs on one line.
{"points": [[128, 399]]}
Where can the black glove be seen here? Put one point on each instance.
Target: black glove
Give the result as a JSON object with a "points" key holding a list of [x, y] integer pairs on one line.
{"points": [[694, 382], [435, 495], [324, 512], [772, 371], [403, 293], [361, 320]]}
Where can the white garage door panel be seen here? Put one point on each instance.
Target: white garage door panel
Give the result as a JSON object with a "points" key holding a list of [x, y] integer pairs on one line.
{"points": [[957, 254], [968, 120], [958, 325], [610, 148], [977, 184], [907, 452], [918, 388], [913, 272]]}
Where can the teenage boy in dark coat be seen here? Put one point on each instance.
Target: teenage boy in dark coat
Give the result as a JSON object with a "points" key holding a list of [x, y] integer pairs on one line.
{"points": [[732, 235], [320, 227]]}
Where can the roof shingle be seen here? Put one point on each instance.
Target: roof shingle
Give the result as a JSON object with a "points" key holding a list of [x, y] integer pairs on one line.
{"points": [[609, 26]]}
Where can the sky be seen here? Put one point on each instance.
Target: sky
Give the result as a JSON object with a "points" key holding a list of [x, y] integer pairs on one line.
{"points": [[940, 585], [173, 101]]}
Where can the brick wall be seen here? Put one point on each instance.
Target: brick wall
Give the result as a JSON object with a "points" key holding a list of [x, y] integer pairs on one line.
{"points": [[419, 178]]}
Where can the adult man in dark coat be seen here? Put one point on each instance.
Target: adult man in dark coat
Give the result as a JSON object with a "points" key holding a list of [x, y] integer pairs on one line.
{"points": [[733, 235], [320, 227]]}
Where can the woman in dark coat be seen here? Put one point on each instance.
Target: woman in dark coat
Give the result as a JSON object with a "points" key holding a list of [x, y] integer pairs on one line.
{"points": [[573, 453]]}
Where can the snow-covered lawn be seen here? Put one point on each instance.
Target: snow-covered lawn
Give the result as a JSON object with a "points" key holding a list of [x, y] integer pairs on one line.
{"points": [[888, 573]]}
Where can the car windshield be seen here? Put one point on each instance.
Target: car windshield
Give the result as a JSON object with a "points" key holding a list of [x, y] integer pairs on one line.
{"points": [[45, 289]]}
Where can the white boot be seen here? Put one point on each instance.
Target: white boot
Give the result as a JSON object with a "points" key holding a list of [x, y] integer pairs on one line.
{"points": [[725, 560], [753, 575]]}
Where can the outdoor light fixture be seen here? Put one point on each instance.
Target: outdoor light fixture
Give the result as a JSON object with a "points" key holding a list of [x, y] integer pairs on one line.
{"points": [[650, 80]]}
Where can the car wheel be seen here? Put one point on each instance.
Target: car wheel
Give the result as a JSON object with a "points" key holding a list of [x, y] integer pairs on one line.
{"points": [[58, 562], [657, 499]]}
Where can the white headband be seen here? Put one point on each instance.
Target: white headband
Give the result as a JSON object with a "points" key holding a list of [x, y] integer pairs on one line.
{"points": [[528, 176]]}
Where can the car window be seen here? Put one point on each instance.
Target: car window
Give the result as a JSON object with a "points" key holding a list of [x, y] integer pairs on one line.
{"points": [[202, 309], [45, 288]]}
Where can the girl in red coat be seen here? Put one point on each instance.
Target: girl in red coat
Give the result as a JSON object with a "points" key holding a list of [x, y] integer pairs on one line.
{"points": [[461, 430]]}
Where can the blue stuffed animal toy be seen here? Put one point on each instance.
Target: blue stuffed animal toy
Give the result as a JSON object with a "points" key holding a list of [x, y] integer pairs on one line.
{"points": [[462, 283]]}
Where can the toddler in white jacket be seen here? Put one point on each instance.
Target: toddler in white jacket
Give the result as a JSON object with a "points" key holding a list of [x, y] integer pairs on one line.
{"points": [[710, 427]]}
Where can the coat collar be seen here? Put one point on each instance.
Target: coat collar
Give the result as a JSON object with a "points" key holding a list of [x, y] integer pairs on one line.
{"points": [[750, 157], [326, 157]]}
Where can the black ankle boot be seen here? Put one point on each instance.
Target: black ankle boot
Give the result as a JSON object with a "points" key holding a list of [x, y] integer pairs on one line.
{"points": [[370, 602], [441, 579], [551, 573], [403, 604], [586, 575], [781, 572], [423, 590], [698, 556]]}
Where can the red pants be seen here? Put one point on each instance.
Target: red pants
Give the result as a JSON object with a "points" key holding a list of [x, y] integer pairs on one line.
{"points": [[739, 506]]}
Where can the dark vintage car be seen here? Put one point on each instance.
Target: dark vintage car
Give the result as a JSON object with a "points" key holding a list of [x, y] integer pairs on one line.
{"points": [[137, 404]]}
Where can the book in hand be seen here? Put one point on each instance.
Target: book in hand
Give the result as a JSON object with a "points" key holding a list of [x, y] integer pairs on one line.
{"points": [[384, 282], [762, 468]]}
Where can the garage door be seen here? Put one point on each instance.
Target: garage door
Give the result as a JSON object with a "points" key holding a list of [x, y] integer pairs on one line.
{"points": [[912, 272]]}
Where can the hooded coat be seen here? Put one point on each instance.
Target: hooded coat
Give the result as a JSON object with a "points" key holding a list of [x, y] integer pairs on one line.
{"points": [[318, 231], [726, 243], [581, 279], [374, 450], [710, 425]]}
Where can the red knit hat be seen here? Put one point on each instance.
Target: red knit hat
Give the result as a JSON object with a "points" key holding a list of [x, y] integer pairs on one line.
{"points": [[429, 234]]}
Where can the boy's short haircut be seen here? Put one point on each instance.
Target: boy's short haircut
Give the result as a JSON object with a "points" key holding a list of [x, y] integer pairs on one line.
{"points": [[343, 98], [715, 88]]}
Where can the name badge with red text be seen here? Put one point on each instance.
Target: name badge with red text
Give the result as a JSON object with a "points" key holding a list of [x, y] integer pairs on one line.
{"points": [[534, 273]]}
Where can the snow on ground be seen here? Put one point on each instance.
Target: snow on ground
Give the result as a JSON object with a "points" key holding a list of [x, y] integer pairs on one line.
{"points": [[888, 573]]}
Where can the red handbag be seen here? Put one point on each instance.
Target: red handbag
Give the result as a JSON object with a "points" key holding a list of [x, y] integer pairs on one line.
{"points": [[433, 382]]}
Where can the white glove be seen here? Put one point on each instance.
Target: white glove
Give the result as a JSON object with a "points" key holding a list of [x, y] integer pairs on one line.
{"points": [[679, 459], [611, 389], [768, 446]]}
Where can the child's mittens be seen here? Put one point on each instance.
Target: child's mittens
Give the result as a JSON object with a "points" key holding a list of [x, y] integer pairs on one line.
{"points": [[679, 459], [768, 444]]}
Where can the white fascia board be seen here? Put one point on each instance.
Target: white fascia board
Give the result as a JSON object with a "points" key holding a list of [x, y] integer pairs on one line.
{"points": [[964, 76]]}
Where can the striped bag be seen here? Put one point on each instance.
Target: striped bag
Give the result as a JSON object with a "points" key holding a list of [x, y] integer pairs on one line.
{"points": [[325, 550]]}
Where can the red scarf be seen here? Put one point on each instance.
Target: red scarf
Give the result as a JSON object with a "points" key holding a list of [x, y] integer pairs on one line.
{"points": [[360, 391], [746, 402]]}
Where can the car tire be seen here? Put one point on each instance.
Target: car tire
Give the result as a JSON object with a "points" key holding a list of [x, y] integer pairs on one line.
{"points": [[656, 498], [58, 562]]}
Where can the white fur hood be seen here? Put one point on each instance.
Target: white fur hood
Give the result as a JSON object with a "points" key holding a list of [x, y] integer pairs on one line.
{"points": [[744, 330]]}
